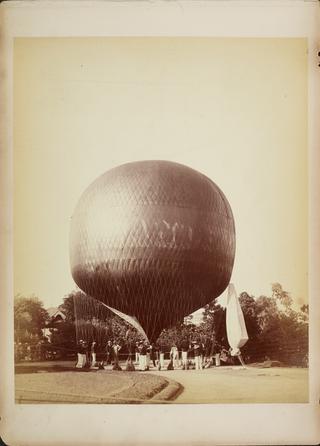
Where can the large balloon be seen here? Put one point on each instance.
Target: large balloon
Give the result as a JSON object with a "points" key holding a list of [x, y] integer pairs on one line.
{"points": [[154, 240]]}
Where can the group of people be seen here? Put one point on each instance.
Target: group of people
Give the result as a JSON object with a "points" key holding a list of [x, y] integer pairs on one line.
{"points": [[178, 357], [187, 355], [87, 354]]}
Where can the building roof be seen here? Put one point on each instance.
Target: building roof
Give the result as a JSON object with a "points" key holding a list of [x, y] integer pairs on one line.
{"points": [[55, 312]]}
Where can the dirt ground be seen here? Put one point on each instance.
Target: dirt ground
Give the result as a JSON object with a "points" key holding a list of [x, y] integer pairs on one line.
{"points": [[61, 383], [237, 385]]}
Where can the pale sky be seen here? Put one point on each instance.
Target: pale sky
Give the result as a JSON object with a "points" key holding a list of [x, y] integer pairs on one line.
{"points": [[234, 109]]}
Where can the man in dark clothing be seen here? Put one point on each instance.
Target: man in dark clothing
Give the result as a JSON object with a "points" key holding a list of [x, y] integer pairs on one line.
{"points": [[142, 356], [81, 352], [184, 353], [130, 348], [153, 352], [86, 352], [109, 353]]}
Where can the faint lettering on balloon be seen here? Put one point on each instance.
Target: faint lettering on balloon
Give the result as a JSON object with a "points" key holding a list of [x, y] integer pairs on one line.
{"points": [[162, 234]]}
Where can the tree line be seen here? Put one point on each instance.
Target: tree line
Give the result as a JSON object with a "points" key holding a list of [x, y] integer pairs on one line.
{"points": [[276, 330]]}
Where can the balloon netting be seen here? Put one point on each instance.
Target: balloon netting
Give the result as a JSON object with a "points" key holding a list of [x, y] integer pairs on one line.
{"points": [[153, 239]]}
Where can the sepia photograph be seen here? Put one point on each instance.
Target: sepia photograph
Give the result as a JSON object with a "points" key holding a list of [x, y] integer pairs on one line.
{"points": [[160, 220], [160, 195]]}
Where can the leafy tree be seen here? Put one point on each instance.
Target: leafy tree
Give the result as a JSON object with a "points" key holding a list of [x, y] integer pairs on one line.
{"points": [[214, 325], [177, 334], [282, 296], [67, 307], [267, 311], [29, 317], [63, 339], [91, 320], [284, 332], [250, 313], [304, 313]]}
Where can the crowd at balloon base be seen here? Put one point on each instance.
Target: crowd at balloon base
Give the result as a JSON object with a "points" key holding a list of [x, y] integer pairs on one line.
{"points": [[148, 356]]}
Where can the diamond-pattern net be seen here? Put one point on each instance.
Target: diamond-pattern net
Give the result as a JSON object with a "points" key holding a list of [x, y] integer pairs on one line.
{"points": [[155, 240]]}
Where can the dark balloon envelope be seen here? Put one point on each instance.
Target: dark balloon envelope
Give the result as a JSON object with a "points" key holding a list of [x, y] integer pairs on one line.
{"points": [[153, 239]]}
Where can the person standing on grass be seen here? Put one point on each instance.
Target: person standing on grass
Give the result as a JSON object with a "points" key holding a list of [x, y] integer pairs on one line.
{"points": [[197, 356], [81, 355], [142, 357], [184, 353], [152, 351], [147, 355], [116, 349], [202, 352], [130, 348], [137, 353], [155, 354], [93, 352], [86, 352], [174, 355], [109, 353], [78, 363], [161, 350]]}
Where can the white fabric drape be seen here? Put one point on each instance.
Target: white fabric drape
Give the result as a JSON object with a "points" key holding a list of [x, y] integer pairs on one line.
{"points": [[130, 319], [236, 326]]}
